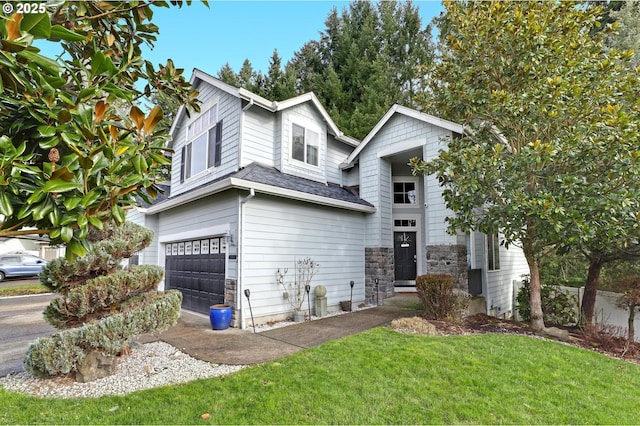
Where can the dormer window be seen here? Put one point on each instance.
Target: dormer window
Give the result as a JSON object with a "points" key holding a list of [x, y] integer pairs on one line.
{"points": [[203, 148], [305, 145]]}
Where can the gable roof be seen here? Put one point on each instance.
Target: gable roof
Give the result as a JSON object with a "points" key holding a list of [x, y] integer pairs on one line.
{"points": [[268, 180], [399, 109], [271, 106]]}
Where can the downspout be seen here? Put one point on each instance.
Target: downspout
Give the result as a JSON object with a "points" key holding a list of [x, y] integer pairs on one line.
{"points": [[240, 290]]}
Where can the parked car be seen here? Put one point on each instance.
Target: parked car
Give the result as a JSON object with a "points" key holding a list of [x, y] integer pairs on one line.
{"points": [[20, 265]]}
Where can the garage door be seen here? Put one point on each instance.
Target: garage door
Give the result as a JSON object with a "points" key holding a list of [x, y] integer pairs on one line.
{"points": [[197, 269]]}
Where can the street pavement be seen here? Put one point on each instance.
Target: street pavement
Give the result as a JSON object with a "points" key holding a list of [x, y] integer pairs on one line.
{"points": [[21, 323]]}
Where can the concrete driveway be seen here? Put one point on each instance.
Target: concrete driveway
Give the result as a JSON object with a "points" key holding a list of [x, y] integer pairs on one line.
{"points": [[21, 323]]}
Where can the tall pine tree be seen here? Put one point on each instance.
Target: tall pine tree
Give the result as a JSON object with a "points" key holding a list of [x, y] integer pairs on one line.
{"points": [[367, 58]]}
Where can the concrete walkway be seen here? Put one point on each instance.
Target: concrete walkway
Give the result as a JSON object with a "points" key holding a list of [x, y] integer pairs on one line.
{"points": [[193, 334]]}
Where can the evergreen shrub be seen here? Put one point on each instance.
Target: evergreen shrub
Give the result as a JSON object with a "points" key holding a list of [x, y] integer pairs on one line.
{"points": [[558, 307], [101, 305]]}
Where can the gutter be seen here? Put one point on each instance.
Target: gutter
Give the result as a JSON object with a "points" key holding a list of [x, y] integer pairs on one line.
{"points": [[237, 183]]}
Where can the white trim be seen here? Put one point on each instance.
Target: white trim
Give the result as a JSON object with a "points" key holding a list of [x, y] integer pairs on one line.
{"points": [[301, 196], [307, 125], [212, 231], [190, 196], [265, 103], [405, 179], [229, 183], [436, 121], [401, 147]]}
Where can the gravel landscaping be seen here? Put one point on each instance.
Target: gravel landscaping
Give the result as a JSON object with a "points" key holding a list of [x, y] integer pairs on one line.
{"points": [[148, 366]]}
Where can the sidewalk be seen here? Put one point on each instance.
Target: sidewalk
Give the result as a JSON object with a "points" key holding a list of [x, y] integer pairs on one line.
{"points": [[193, 334]]}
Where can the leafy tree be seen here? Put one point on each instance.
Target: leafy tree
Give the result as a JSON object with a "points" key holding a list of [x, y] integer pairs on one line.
{"points": [[628, 31], [70, 158], [546, 109], [617, 234]]}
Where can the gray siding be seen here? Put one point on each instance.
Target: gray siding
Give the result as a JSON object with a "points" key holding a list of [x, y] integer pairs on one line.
{"points": [[500, 283], [258, 137], [229, 110], [219, 211], [148, 256], [276, 233], [375, 179], [337, 153], [304, 114]]}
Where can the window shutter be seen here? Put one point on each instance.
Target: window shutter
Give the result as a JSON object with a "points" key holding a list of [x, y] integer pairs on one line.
{"points": [[218, 145], [182, 164]]}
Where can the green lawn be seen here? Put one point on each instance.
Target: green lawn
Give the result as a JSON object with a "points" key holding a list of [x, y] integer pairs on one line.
{"points": [[22, 290], [380, 377]]}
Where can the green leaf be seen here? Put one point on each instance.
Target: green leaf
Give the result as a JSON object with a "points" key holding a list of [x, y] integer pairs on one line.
{"points": [[60, 185], [58, 32], [66, 233], [82, 221], [48, 65], [97, 223], [49, 143], [36, 24], [85, 162], [47, 131], [75, 249], [90, 198], [54, 216], [63, 173], [5, 204], [71, 203], [36, 197], [118, 214]]}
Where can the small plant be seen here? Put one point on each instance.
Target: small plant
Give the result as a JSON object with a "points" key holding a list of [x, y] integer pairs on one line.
{"points": [[558, 307], [294, 291], [439, 299]]}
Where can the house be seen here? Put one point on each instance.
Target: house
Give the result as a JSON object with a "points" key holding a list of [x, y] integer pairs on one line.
{"points": [[257, 185]]}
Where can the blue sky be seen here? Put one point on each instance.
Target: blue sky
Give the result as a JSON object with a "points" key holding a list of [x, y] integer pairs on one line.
{"points": [[230, 31]]}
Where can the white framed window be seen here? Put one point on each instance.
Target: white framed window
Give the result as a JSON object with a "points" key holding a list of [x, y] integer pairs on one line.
{"points": [[203, 147], [305, 145], [404, 193], [493, 252]]}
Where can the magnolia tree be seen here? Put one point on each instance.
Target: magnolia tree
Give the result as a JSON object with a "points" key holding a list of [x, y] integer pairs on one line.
{"points": [[74, 151], [551, 144]]}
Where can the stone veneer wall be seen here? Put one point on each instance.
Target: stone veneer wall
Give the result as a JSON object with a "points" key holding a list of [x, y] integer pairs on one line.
{"points": [[230, 298], [450, 259], [378, 264]]}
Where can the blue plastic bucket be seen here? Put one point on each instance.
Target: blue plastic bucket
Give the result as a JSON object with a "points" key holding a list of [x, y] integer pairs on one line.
{"points": [[220, 316]]}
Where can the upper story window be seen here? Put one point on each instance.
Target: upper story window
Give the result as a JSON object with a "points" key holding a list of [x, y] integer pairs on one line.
{"points": [[404, 193], [203, 147], [493, 252], [305, 145]]}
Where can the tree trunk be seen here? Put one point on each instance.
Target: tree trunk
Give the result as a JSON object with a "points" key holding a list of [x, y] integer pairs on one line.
{"points": [[537, 321], [591, 290], [631, 331]]}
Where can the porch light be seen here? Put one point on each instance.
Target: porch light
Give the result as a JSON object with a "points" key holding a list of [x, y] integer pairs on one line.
{"points": [[228, 238]]}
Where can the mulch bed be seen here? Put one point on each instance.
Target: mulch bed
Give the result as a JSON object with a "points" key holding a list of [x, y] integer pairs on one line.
{"points": [[604, 339]]}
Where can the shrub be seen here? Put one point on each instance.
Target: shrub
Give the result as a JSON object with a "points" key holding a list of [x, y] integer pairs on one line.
{"points": [[439, 298], [108, 304], [558, 307], [64, 351]]}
